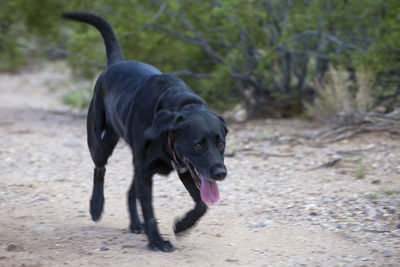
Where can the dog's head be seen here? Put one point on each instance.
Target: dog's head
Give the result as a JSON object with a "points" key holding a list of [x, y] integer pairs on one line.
{"points": [[198, 138]]}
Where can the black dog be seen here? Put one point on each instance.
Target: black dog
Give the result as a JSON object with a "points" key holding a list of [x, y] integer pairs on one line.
{"points": [[166, 125]]}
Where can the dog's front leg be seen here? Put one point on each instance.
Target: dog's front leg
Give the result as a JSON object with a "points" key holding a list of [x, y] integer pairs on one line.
{"points": [[193, 215], [144, 190], [136, 226]]}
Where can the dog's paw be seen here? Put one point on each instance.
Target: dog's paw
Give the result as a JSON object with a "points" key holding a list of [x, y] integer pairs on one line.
{"points": [[179, 226], [96, 208], [162, 245], [137, 228]]}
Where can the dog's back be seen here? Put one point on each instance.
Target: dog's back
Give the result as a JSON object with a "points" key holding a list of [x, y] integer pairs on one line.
{"points": [[118, 85]]}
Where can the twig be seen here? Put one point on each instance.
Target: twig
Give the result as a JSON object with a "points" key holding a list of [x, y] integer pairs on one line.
{"points": [[191, 74], [287, 155], [69, 53], [362, 123], [330, 163], [148, 23]]}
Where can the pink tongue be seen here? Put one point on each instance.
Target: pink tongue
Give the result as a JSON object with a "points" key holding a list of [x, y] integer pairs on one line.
{"points": [[209, 191]]}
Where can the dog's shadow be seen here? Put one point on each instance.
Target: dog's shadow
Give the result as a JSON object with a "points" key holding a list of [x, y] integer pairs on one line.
{"points": [[108, 238]]}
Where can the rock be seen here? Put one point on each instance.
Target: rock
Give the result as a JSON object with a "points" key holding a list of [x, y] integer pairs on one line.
{"points": [[395, 232], [368, 258], [239, 114], [12, 247], [44, 228], [128, 246], [369, 211], [230, 153], [257, 225], [104, 249]]}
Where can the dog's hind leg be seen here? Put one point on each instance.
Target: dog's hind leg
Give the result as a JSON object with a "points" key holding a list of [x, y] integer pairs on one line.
{"points": [[101, 140], [97, 199], [200, 208]]}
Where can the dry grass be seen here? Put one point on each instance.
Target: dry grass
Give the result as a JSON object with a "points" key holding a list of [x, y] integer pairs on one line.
{"points": [[338, 96], [364, 98]]}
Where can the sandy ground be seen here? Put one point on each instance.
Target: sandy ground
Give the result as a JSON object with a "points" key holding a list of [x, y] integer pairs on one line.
{"points": [[277, 208]]}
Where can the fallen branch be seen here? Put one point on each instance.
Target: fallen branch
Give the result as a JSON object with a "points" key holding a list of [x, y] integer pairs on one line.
{"points": [[362, 123], [328, 164]]}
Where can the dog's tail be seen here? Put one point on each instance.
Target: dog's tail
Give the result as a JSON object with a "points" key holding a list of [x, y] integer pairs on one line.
{"points": [[113, 49]]}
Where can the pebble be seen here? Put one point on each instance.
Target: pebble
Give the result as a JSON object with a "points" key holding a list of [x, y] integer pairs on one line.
{"points": [[369, 211], [368, 258], [274, 197], [257, 225], [44, 228], [396, 232], [12, 247]]}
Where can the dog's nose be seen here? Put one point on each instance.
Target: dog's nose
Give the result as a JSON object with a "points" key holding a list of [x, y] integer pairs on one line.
{"points": [[219, 174]]}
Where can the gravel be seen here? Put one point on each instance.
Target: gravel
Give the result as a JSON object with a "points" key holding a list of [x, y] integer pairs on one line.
{"points": [[278, 207]]}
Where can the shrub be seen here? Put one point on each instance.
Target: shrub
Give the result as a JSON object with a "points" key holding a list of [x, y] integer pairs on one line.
{"points": [[338, 95]]}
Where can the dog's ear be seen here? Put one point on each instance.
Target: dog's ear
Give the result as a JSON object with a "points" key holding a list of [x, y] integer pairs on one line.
{"points": [[223, 123], [164, 120]]}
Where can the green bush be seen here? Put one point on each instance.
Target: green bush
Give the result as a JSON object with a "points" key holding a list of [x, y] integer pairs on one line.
{"points": [[258, 52], [79, 98]]}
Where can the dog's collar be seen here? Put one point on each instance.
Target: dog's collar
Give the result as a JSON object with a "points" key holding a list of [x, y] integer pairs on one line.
{"points": [[175, 163]]}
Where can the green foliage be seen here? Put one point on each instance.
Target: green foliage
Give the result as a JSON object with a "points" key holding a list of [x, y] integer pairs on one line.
{"points": [[256, 52], [371, 195], [390, 192], [78, 98], [361, 169]]}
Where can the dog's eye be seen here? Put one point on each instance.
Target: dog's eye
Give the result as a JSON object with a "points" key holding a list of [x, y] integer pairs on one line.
{"points": [[221, 145], [198, 147]]}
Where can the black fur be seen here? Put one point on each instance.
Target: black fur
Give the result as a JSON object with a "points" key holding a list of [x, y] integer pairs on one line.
{"points": [[138, 103]]}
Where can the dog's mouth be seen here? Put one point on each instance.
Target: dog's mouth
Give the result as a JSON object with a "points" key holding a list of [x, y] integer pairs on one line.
{"points": [[208, 188]]}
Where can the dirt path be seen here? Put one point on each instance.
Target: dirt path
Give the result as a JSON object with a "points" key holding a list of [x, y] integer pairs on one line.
{"points": [[277, 208]]}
